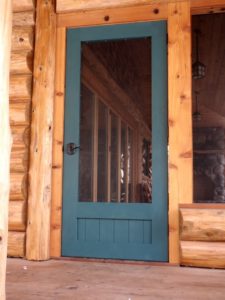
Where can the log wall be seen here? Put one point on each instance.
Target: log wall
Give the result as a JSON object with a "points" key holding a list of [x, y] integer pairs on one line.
{"points": [[202, 236], [21, 69]]}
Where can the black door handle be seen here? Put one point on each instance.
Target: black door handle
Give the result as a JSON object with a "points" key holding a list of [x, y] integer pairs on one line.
{"points": [[71, 148]]}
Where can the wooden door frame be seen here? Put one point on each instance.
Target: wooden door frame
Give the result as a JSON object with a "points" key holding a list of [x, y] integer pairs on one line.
{"points": [[178, 14]]}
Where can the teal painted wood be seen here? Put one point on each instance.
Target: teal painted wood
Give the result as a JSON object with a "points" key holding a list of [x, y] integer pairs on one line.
{"points": [[110, 230]]}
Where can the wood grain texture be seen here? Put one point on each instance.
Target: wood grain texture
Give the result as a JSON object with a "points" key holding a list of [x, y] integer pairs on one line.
{"points": [[39, 199], [76, 5], [211, 53], [151, 12], [180, 118], [17, 215], [202, 225], [5, 136], [107, 280], [20, 88], [22, 38], [203, 254], [197, 6], [24, 18], [21, 62], [23, 5], [16, 244], [20, 113], [203, 205], [57, 158], [207, 6], [19, 160], [20, 136], [18, 186]]}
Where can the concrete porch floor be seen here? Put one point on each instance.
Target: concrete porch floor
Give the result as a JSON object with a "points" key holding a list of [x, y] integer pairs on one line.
{"points": [[79, 280]]}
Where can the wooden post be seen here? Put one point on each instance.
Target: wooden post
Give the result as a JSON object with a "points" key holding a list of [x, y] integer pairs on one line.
{"points": [[39, 198], [5, 136], [180, 118]]}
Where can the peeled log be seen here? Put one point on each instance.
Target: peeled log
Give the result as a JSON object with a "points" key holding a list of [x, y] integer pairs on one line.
{"points": [[19, 160], [203, 254], [23, 5], [21, 62], [24, 18], [18, 186], [5, 136], [16, 244], [22, 38], [202, 224], [39, 201], [20, 87], [20, 136], [20, 113], [17, 215]]}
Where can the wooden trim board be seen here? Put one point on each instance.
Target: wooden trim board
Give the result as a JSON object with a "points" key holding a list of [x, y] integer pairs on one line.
{"points": [[113, 16], [144, 12], [64, 6], [58, 132], [203, 205], [180, 119]]}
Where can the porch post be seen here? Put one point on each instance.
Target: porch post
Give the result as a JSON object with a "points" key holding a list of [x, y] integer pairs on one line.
{"points": [[5, 136], [39, 198], [180, 118]]}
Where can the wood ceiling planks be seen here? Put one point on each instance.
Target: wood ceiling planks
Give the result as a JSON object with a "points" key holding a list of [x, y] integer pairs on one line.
{"points": [[212, 54]]}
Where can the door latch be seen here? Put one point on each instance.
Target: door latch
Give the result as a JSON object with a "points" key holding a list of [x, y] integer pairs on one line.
{"points": [[71, 148]]}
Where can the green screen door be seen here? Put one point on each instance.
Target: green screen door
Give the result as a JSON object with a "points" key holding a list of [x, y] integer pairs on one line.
{"points": [[115, 143]]}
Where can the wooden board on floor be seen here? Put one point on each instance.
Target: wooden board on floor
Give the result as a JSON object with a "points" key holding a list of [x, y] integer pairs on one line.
{"points": [[109, 281]]}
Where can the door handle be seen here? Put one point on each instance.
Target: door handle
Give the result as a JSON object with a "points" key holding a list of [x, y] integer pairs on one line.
{"points": [[71, 148]]}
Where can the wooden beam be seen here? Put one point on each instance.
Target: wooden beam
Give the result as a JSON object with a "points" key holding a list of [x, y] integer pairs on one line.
{"points": [[23, 5], [39, 198], [144, 13], [21, 62], [57, 159], [203, 254], [18, 186], [22, 38], [16, 244], [19, 160], [204, 205], [79, 5], [17, 215], [20, 113], [180, 118], [202, 225], [207, 6], [24, 18], [5, 136], [20, 87]]}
